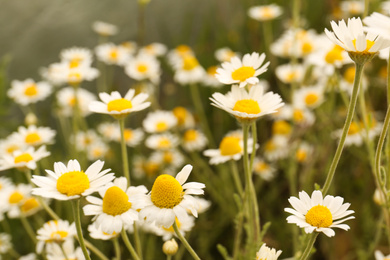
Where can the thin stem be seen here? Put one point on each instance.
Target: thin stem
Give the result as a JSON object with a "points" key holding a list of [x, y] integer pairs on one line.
{"points": [[184, 241], [254, 137], [28, 228], [128, 245], [124, 152], [117, 249], [348, 120], [295, 14], [309, 246], [138, 246], [236, 177], [169, 257], [195, 95], [95, 250], [366, 6], [76, 215]]}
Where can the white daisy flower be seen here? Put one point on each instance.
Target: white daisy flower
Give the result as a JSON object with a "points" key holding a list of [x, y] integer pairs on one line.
{"points": [[247, 106], [63, 251], [210, 79], [66, 73], [265, 12], [34, 136], [76, 56], [14, 197], [159, 121], [225, 54], [111, 131], [5, 243], [178, 53], [276, 148], [116, 207], [309, 97], [118, 107], [184, 226], [97, 150], [354, 134], [155, 49], [288, 73], [380, 256], [85, 139], [352, 38], [170, 198], [243, 72], [184, 117], [108, 130], [129, 46], [96, 233], [163, 141], [4, 183], [28, 91], [25, 158], [231, 147], [9, 146], [188, 70], [303, 152], [265, 170], [55, 231], [144, 67], [66, 101], [70, 182], [193, 140], [169, 159], [112, 54], [104, 29], [146, 167], [352, 8], [319, 214], [267, 253]]}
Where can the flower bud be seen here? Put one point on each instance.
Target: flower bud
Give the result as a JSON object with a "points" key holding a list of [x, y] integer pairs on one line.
{"points": [[170, 247]]}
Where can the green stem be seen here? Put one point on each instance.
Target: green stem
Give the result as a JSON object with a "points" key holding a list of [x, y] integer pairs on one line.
{"points": [[295, 14], [124, 152], [169, 257], [128, 245], [388, 104], [236, 177], [117, 249], [195, 95], [254, 137], [185, 243], [141, 23], [28, 228], [76, 215], [348, 120], [75, 118], [366, 6], [95, 250], [309, 246], [138, 246]]}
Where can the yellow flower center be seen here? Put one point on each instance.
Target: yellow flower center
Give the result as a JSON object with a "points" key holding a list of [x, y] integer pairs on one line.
{"points": [[311, 99], [164, 143], [307, 47], [25, 157], [128, 134], [29, 204], [168, 157], [349, 74], [190, 135], [266, 12], [270, 146], [115, 201], [291, 76], [12, 148], [281, 128], [73, 183], [182, 49], [181, 114], [190, 62], [212, 70], [150, 168], [119, 105], [142, 68], [57, 236], [298, 115], [261, 166], [114, 54], [369, 45], [383, 72], [353, 128], [248, 106], [15, 197], [230, 145], [74, 77], [32, 138], [301, 155], [334, 55], [319, 216], [243, 73], [74, 63], [31, 90], [161, 126], [170, 229], [166, 192], [97, 152]]}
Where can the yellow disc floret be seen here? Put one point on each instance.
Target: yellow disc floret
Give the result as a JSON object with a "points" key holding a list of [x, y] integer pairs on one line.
{"points": [[31, 90], [190, 135], [166, 192], [281, 128], [25, 157], [170, 229], [319, 216], [248, 106], [58, 236], [29, 205], [73, 183], [164, 143], [353, 128], [190, 62], [128, 134], [142, 68], [115, 201], [15, 197], [32, 138], [161, 126], [334, 55], [181, 114], [230, 145], [349, 75], [243, 73], [311, 99], [369, 45], [119, 105]]}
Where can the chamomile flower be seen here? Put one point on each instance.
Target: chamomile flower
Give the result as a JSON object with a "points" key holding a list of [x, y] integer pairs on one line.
{"points": [[247, 106], [118, 107], [354, 134], [380, 256], [178, 53], [129, 46], [319, 214], [170, 198], [169, 159], [55, 231], [289, 73], [201, 204], [185, 119], [352, 8], [265, 12], [146, 167], [243, 72], [184, 226], [300, 115], [353, 39], [267, 253], [193, 140], [66, 73], [188, 70], [210, 79], [8, 146], [63, 251], [96, 233], [225, 54], [85, 139], [144, 67], [159, 121], [231, 147], [303, 152], [97, 150], [34, 136], [5, 243], [104, 29], [14, 197], [116, 207], [133, 137], [66, 101], [25, 158], [263, 169], [28, 91], [155, 49], [112, 54], [276, 148], [76, 56], [309, 97], [69, 182], [163, 141]]}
